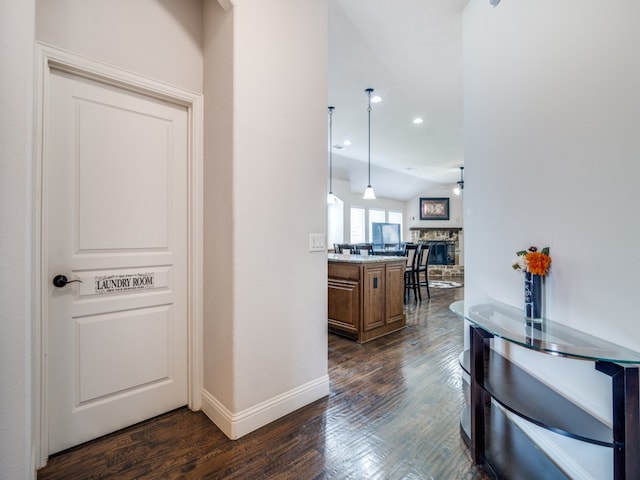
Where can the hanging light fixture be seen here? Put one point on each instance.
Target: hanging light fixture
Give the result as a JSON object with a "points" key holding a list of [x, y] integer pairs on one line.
{"points": [[368, 193], [331, 198], [460, 183]]}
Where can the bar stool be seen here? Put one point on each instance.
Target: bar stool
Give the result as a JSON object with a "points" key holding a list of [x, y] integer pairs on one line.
{"points": [[423, 267], [411, 272]]}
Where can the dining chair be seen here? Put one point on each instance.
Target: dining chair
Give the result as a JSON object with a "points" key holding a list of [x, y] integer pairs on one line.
{"points": [[344, 248], [366, 247]]}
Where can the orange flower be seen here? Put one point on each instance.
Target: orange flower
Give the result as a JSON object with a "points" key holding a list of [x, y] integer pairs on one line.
{"points": [[538, 263]]}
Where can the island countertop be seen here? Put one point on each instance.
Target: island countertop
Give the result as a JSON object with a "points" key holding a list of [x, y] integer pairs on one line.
{"points": [[336, 257]]}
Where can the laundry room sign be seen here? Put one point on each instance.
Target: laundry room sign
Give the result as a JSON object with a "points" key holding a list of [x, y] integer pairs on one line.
{"points": [[119, 283]]}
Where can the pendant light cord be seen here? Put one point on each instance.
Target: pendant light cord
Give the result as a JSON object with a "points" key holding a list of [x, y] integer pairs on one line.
{"points": [[331, 149], [369, 92]]}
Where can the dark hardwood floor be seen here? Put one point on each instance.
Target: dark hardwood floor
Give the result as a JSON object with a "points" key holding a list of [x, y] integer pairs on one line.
{"points": [[393, 413]]}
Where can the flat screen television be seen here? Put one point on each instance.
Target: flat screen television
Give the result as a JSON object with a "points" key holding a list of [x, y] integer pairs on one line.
{"points": [[385, 235]]}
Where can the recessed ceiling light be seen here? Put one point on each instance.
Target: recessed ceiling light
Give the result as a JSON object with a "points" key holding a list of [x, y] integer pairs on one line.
{"points": [[418, 121], [376, 99], [347, 142]]}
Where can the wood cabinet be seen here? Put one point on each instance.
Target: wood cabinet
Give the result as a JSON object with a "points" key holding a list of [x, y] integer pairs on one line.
{"points": [[365, 296]]}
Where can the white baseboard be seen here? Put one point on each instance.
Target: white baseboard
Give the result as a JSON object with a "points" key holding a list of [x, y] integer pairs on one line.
{"points": [[236, 425]]}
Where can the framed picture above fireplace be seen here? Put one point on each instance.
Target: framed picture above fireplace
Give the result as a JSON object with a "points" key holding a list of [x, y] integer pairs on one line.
{"points": [[434, 208]]}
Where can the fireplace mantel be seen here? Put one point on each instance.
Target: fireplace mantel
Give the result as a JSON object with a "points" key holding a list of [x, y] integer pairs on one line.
{"points": [[432, 229]]}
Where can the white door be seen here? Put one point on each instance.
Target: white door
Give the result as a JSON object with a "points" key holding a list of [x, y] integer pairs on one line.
{"points": [[115, 217]]}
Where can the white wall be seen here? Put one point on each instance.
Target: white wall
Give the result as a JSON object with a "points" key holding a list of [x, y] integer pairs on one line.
{"points": [[16, 148], [161, 39], [456, 219], [271, 325], [342, 190], [280, 133], [551, 124], [219, 246], [551, 153], [379, 203]]}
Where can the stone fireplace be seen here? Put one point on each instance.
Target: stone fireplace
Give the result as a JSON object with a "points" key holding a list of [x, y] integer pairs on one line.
{"points": [[446, 258]]}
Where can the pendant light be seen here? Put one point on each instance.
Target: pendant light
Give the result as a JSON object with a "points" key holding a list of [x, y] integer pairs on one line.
{"points": [[368, 193], [331, 198]]}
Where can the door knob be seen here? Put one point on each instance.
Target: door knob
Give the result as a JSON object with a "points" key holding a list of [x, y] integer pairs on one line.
{"points": [[61, 280]]}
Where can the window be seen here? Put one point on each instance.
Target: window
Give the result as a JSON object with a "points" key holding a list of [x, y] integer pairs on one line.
{"points": [[375, 216], [360, 218], [335, 223], [395, 217], [357, 225]]}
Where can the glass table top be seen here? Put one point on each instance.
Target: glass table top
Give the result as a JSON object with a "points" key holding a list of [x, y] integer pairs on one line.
{"points": [[508, 322]]}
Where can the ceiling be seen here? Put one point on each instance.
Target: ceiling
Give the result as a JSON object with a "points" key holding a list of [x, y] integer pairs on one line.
{"points": [[410, 53]]}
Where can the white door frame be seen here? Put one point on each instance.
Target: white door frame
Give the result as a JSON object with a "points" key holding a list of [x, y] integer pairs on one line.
{"points": [[50, 57]]}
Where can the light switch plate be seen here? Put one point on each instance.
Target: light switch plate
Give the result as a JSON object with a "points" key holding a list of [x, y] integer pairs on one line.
{"points": [[317, 242]]}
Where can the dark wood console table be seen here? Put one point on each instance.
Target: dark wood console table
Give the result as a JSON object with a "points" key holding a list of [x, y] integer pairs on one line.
{"points": [[495, 442]]}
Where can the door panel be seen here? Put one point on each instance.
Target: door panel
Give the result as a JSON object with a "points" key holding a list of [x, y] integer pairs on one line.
{"points": [[395, 293], [101, 373], [115, 219], [374, 296], [110, 219]]}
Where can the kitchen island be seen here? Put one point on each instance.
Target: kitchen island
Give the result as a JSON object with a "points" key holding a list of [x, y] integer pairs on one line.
{"points": [[365, 295]]}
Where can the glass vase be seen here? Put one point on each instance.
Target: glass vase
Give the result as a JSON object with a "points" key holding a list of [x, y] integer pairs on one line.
{"points": [[533, 291]]}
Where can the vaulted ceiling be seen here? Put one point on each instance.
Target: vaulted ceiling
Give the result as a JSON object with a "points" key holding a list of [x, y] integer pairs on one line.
{"points": [[410, 53]]}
